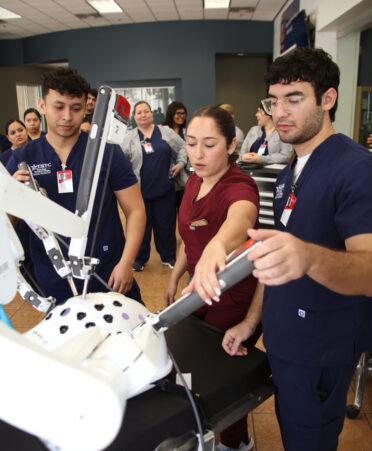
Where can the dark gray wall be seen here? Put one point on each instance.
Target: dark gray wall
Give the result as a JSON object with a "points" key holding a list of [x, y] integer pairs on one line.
{"points": [[149, 51], [240, 82]]}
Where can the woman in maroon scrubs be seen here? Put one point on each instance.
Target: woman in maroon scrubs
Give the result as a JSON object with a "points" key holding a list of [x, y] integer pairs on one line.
{"points": [[220, 203]]}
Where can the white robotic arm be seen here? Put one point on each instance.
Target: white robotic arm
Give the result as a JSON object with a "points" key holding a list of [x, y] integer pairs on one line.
{"points": [[88, 376], [77, 391], [8, 278], [109, 124]]}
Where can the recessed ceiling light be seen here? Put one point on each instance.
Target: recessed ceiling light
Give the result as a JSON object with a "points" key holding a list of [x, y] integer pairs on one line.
{"points": [[216, 4], [105, 6], [5, 14]]}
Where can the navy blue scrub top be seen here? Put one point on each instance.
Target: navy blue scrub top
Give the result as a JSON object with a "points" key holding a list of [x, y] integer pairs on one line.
{"points": [[180, 132], [259, 141], [5, 156], [44, 163], [303, 321], [30, 139], [155, 178]]}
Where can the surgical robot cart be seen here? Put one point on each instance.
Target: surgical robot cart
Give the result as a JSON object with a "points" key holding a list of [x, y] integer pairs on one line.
{"points": [[129, 407], [226, 388]]}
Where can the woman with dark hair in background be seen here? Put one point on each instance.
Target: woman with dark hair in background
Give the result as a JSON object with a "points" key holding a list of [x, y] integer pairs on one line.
{"points": [[32, 120], [220, 203], [175, 118], [262, 144], [16, 133]]}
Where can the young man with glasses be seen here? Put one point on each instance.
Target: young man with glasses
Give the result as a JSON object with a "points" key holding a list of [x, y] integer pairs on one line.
{"points": [[315, 268]]}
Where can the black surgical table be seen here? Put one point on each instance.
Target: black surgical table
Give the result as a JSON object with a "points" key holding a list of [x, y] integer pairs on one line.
{"points": [[226, 388]]}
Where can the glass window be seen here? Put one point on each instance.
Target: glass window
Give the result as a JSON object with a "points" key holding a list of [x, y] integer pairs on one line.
{"points": [[158, 98]]}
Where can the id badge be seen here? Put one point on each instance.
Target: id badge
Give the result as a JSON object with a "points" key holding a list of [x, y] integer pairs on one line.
{"points": [[261, 149], [64, 181], [288, 209], [148, 147]]}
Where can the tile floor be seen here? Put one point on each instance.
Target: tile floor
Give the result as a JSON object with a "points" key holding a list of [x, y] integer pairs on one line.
{"points": [[356, 435]]}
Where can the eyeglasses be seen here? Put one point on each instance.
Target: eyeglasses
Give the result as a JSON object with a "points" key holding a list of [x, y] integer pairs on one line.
{"points": [[288, 103], [179, 113]]}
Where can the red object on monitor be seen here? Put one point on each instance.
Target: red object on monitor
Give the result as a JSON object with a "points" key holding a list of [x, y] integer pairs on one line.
{"points": [[122, 107]]}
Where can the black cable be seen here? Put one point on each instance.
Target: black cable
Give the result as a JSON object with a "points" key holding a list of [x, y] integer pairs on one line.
{"points": [[191, 399], [102, 201]]}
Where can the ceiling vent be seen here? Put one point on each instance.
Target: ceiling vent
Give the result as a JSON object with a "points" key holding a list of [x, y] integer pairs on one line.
{"points": [[242, 9], [88, 16]]}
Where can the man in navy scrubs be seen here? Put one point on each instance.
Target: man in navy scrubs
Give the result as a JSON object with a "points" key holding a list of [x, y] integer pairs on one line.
{"points": [[316, 266], [91, 103], [56, 161]]}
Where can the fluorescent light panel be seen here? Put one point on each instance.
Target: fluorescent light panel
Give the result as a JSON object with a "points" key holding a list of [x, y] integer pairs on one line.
{"points": [[105, 6], [5, 14], [216, 4]]}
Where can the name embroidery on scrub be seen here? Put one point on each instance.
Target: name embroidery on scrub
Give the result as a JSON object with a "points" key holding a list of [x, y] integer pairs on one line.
{"points": [[279, 191], [41, 169]]}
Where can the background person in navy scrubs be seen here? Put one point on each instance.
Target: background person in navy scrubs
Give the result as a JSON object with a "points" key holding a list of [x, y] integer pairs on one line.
{"points": [[16, 134], [91, 103], [175, 118], [61, 152], [32, 120], [262, 144], [152, 149], [316, 267]]}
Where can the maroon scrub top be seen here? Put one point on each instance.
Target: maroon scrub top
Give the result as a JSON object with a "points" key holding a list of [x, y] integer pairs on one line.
{"points": [[209, 213]]}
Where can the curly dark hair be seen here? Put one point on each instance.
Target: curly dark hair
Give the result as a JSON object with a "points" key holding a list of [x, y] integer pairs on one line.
{"points": [[224, 123], [93, 92], [171, 111], [65, 81], [306, 64]]}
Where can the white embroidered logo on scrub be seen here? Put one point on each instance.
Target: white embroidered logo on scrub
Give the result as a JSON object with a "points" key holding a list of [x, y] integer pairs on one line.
{"points": [[41, 169], [279, 191]]}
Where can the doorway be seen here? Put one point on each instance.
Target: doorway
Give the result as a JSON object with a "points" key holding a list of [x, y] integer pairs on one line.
{"points": [[239, 81]]}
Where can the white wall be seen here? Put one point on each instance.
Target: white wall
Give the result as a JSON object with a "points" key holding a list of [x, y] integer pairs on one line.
{"points": [[338, 24], [348, 60]]}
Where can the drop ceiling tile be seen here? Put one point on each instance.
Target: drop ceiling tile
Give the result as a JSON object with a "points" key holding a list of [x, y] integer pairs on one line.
{"points": [[216, 13], [240, 15], [243, 3]]}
